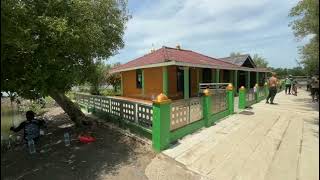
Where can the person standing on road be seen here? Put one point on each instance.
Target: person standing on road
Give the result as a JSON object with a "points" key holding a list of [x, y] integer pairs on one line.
{"points": [[272, 88], [315, 88], [294, 87], [309, 84], [288, 85]]}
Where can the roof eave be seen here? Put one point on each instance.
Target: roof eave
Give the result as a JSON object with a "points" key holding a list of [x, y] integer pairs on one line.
{"points": [[177, 63]]}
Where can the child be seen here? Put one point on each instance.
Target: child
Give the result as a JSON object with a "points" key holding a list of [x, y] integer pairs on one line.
{"points": [[31, 127]]}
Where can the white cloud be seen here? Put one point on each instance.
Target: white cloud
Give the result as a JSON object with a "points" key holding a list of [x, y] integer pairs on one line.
{"points": [[213, 27]]}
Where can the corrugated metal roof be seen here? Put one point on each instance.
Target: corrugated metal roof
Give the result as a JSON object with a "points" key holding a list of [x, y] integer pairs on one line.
{"points": [[238, 60]]}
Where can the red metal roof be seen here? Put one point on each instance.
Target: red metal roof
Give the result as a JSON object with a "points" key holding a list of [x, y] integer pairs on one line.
{"points": [[167, 54]]}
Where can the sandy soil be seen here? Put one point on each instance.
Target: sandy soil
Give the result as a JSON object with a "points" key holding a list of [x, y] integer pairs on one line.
{"points": [[112, 156]]}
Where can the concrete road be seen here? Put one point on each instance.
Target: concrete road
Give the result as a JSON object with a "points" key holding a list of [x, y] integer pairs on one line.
{"points": [[265, 142]]}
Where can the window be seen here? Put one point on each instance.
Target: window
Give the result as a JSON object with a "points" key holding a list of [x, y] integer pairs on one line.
{"points": [[139, 78]]}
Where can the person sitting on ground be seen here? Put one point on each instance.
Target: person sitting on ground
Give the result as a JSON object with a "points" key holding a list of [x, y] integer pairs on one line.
{"points": [[315, 88], [272, 88], [31, 127], [288, 85]]}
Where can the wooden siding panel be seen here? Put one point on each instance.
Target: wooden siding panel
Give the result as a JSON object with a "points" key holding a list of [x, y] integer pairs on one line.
{"points": [[152, 82], [194, 82], [129, 84]]}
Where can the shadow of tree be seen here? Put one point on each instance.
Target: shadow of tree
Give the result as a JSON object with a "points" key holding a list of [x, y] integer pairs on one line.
{"points": [[77, 161], [308, 102]]}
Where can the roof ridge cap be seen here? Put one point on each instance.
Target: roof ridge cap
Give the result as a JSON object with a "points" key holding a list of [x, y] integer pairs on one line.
{"points": [[177, 49]]}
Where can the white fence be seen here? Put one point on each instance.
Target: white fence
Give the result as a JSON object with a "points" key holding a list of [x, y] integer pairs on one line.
{"points": [[131, 111]]}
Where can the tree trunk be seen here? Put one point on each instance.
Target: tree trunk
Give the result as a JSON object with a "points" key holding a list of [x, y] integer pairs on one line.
{"points": [[73, 111]]}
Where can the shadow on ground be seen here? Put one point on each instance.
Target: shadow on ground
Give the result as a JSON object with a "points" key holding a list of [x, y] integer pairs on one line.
{"points": [[309, 103], [104, 158]]}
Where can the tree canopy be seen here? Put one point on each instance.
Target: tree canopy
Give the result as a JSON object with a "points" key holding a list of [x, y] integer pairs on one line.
{"points": [[99, 77], [260, 61], [284, 72], [102, 76], [305, 24], [49, 46], [234, 54], [114, 79]]}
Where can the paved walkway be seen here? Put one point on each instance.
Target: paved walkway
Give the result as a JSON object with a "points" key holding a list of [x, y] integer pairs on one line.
{"points": [[270, 142]]}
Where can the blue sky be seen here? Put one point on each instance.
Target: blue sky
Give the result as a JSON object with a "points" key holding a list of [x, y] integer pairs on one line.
{"points": [[212, 27]]}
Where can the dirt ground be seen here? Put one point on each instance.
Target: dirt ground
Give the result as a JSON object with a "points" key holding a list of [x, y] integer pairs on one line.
{"points": [[112, 156]]}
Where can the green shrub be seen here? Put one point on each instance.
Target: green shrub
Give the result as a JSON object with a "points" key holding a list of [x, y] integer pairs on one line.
{"points": [[109, 92]]}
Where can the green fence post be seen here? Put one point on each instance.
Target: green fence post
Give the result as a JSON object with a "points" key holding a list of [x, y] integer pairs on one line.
{"points": [[207, 103], [161, 123], [242, 98], [230, 98]]}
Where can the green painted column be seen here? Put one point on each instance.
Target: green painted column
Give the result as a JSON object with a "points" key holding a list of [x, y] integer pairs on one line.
{"points": [[235, 81], [230, 99], [207, 103], [248, 79], [217, 80], [186, 82], [242, 98], [142, 89], [165, 80], [161, 125]]}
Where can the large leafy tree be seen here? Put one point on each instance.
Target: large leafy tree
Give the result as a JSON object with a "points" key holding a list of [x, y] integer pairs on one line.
{"points": [[235, 54], [284, 72], [260, 61], [114, 79], [48, 46], [306, 24], [99, 77]]}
